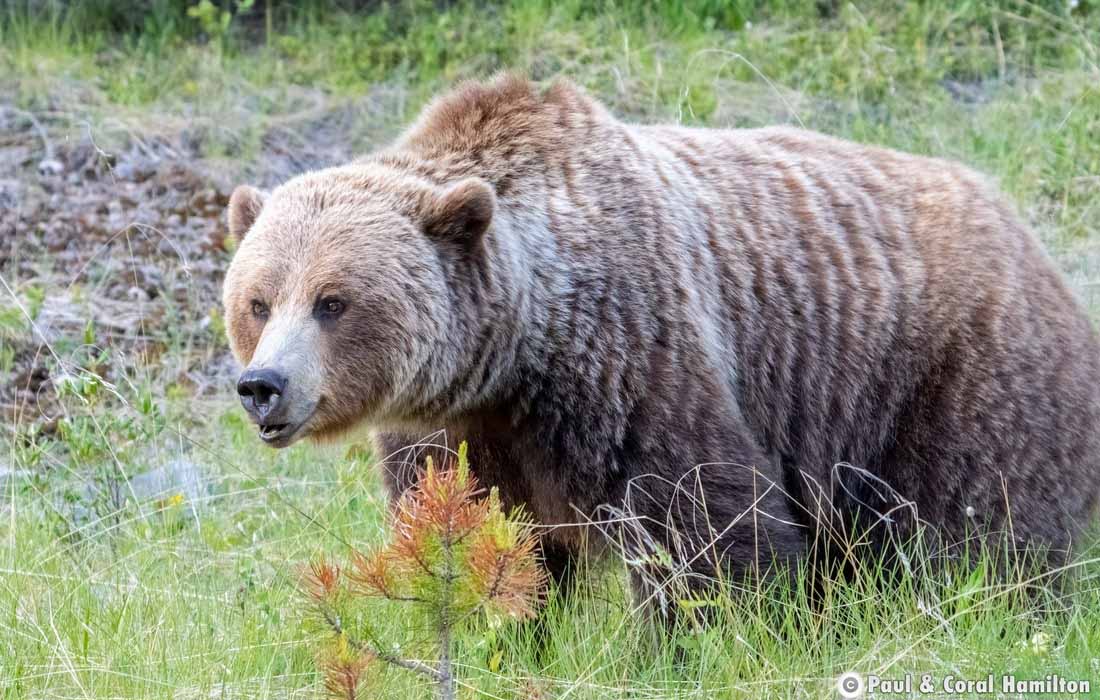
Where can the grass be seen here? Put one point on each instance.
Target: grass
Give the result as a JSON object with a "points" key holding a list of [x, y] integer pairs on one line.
{"points": [[105, 592]]}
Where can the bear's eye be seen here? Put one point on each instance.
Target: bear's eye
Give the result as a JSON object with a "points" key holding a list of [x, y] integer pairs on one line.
{"points": [[259, 309], [330, 307]]}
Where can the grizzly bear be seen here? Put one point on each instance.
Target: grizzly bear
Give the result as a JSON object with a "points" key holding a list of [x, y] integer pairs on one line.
{"points": [[707, 346]]}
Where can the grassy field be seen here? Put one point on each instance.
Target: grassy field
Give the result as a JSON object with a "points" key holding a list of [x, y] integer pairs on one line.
{"points": [[150, 543]]}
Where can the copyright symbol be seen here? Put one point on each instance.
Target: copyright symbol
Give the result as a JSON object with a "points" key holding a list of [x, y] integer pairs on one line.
{"points": [[849, 685]]}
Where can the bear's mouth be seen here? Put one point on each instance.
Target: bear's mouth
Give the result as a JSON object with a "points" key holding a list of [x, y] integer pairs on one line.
{"points": [[274, 433], [283, 434]]}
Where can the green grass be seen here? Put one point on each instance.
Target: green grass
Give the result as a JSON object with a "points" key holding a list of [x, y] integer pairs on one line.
{"points": [[195, 597]]}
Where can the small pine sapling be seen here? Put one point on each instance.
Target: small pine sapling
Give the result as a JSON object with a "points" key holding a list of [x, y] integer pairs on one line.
{"points": [[454, 555]]}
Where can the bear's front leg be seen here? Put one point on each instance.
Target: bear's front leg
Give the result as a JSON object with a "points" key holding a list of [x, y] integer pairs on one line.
{"points": [[687, 531], [403, 457]]}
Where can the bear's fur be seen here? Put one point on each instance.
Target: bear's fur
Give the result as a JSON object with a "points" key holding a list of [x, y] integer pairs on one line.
{"points": [[706, 324]]}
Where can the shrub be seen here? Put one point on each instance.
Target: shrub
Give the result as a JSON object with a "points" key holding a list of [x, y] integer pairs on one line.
{"points": [[454, 556]]}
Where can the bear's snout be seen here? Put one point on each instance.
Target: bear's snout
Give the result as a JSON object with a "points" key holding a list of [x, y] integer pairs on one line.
{"points": [[260, 391], [282, 385]]}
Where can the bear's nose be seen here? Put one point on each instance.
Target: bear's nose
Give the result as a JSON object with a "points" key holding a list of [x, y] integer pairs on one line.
{"points": [[260, 390]]}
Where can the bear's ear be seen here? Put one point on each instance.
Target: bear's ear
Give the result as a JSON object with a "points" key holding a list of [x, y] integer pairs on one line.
{"points": [[462, 212], [244, 206]]}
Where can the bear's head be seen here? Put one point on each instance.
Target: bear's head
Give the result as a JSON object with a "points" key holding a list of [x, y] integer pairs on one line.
{"points": [[339, 301]]}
